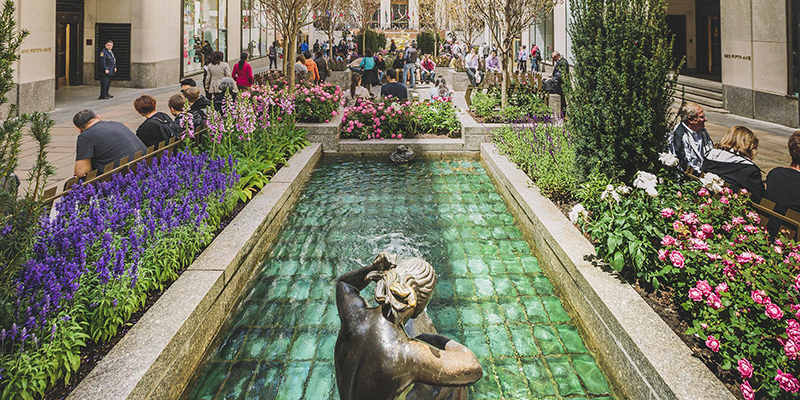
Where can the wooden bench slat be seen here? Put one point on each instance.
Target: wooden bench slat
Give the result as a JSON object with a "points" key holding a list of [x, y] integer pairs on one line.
{"points": [[108, 168], [137, 155], [50, 192], [91, 175]]}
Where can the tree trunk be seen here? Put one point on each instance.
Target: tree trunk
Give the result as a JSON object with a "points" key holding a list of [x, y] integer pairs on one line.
{"points": [[290, 52], [330, 43]]}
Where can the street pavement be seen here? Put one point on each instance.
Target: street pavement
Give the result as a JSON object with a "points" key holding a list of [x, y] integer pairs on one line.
{"points": [[772, 151]]}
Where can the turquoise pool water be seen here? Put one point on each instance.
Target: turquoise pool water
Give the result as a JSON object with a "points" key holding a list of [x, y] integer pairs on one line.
{"points": [[491, 294]]}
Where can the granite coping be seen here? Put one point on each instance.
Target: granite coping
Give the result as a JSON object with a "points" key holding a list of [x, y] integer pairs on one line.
{"points": [[162, 349], [642, 356]]}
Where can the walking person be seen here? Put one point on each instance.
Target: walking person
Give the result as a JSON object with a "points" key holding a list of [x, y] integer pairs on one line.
{"points": [[369, 76], [109, 63], [217, 70], [536, 57], [243, 73], [522, 58], [313, 71], [273, 55], [411, 64]]}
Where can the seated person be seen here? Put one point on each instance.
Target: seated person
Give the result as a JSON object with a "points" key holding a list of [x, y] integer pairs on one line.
{"points": [[783, 184], [428, 68], [311, 66], [198, 104], [399, 62], [440, 90], [356, 91], [732, 160], [227, 87], [394, 88], [150, 132], [101, 143], [553, 85], [493, 63], [187, 83], [300, 69], [689, 141], [177, 104]]}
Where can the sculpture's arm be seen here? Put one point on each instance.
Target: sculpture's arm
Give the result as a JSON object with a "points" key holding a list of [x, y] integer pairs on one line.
{"points": [[352, 283], [442, 361]]}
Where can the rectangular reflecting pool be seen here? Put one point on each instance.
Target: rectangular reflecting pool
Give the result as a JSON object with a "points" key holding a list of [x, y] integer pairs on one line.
{"points": [[491, 294]]}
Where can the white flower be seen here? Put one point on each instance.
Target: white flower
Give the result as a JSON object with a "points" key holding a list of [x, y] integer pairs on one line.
{"points": [[651, 191], [577, 212], [668, 159], [712, 182], [610, 191], [647, 182], [622, 189]]}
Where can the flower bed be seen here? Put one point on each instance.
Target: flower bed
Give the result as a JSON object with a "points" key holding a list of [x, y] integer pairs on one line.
{"points": [[524, 102], [736, 287], [312, 103], [394, 120]]}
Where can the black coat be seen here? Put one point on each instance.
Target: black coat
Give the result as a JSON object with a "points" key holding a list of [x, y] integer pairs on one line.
{"points": [[108, 61], [739, 172]]}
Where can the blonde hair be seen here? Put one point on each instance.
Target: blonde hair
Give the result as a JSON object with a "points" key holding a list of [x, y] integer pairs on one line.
{"points": [[410, 284], [739, 140]]}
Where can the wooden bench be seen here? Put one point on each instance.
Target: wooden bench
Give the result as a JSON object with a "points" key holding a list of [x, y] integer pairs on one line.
{"points": [[495, 80], [165, 147]]}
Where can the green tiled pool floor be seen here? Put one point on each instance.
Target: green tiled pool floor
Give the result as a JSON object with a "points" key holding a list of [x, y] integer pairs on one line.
{"points": [[491, 294]]}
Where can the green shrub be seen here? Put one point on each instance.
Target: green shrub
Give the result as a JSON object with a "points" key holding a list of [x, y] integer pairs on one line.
{"points": [[375, 41], [426, 42], [619, 99], [436, 118], [483, 104], [545, 152]]}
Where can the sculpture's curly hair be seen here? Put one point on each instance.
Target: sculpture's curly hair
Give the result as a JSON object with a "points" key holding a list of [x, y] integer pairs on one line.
{"points": [[409, 284]]}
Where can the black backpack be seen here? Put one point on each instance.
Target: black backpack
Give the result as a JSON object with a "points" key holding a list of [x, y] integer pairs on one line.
{"points": [[169, 129], [412, 57]]}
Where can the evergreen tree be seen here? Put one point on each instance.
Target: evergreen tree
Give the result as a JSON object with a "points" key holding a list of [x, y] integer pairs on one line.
{"points": [[620, 92]]}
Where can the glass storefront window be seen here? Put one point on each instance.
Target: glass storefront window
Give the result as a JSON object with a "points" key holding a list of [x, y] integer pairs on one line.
{"points": [[254, 29], [205, 26], [794, 50]]}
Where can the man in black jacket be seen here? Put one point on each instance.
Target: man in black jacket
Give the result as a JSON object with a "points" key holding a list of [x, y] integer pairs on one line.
{"points": [[553, 85], [109, 65], [322, 65], [689, 141]]}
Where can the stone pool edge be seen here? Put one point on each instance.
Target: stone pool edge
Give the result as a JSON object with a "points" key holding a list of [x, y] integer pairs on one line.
{"points": [[641, 354], [157, 357]]}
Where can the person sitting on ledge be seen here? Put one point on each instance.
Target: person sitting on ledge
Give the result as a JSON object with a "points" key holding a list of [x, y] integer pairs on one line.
{"points": [[355, 92], [689, 141], [732, 159], [394, 88], [561, 67], [198, 102], [150, 132], [101, 143], [187, 83], [382, 351], [783, 184]]}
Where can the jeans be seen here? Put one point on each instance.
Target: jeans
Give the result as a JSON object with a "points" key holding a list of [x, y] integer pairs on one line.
{"points": [[428, 76], [273, 61], [534, 66], [410, 67]]}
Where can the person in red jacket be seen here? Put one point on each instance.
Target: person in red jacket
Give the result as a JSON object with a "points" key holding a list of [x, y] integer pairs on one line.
{"points": [[243, 73]]}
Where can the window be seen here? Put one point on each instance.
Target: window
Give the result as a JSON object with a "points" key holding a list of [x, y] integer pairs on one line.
{"points": [[254, 28], [794, 47], [205, 29]]}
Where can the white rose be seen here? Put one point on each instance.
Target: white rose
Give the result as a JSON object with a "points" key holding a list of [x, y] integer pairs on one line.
{"points": [[651, 191], [577, 211], [668, 159], [645, 180], [712, 182]]}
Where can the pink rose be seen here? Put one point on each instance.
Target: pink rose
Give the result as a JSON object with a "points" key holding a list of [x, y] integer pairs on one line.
{"points": [[737, 221], [722, 287], [773, 311], [667, 212], [750, 229], [712, 343], [702, 192], [790, 348], [787, 382], [745, 257], [677, 225], [662, 254], [724, 200], [758, 296], [707, 229], [704, 287], [690, 219], [714, 301], [695, 294], [747, 391], [677, 258], [668, 241], [745, 369]]}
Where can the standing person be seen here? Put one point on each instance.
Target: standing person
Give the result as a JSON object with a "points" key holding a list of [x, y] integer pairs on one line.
{"points": [[155, 127], [325, 48], [732, 159], [428, 68], [392, 46], [243, 73], [472, 63], [316, 46], [207, 50], [273, 56], [322, 65], [689, 141], [486, 50], [447, 49], [369, 76], [783, 184], [457, 48], [101, 143], [313, 71], [522, 57], [300, 69], [304, 47], [109, 64], [217, 70], [411, 64], [536, 57], [397, 90], [553, 85]]}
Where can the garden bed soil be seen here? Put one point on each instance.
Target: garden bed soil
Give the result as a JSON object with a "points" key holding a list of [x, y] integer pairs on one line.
{"points": [[93, 353], [662, 303], [485, 120]]}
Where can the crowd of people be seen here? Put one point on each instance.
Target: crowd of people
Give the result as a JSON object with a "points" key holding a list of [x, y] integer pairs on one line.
{"points": [[732, 160]]}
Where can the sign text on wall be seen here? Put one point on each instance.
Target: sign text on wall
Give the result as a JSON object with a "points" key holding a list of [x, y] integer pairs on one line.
{"points": [[737, 57], [37, 50]]}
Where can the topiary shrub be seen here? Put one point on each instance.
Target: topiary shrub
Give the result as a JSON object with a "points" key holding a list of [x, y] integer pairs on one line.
{"points": [[620, 94]]}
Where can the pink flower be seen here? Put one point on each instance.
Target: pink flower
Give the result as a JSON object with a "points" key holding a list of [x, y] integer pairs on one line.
{"points": [[737, 221], [679, 194], [698, 244], [702, 192], [712, 343], [662, 254], [704, 325], [773, 311], [745, 369], [677, 225], [789, 348], [690, 218], [753, 216], [747, 391], [677, 258], [724, 200], [745, 257], [787, 382], [668, 241], [793, 329], [704, 287], [707, 229], [722, 287], [759, 296], [750, 229], [695, 294], [667, 212], [714, 301]]}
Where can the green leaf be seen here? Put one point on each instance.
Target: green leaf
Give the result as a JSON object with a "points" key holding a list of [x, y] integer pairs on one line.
{"points": [[617, 261]]}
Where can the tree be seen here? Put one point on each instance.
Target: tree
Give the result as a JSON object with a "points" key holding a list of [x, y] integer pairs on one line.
{"points": [[506, 19], [289, 17], [434, 16], [467, 23], [363, 10], [329, 16], [621, 94]]}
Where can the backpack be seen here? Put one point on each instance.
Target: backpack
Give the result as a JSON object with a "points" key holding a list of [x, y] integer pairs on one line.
{"points": [[169, 129], [412, 57]]}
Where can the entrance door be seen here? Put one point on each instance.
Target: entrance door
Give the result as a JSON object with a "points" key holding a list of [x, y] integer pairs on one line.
{"points": [[709, 42], [69, 65], [677, 27]]}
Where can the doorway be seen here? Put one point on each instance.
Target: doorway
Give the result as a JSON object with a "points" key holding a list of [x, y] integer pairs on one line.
{"points": [[69, 43], [677, 27], [709, 41]]}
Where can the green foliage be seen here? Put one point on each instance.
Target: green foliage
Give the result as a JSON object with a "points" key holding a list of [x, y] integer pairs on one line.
{"points": [[483, 105], [523, 103], [395, 120], [436, 118], [375, 41], [545, 152], [426, 42], [620, 97]]}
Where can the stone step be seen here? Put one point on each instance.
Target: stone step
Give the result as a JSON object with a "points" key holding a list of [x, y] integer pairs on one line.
{"points": [[698, 92], [676, 103], [705, 84], [703, 101]]}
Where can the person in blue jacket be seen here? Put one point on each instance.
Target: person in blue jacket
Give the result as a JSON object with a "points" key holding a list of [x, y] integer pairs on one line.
{"points": [[109, 65]]}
